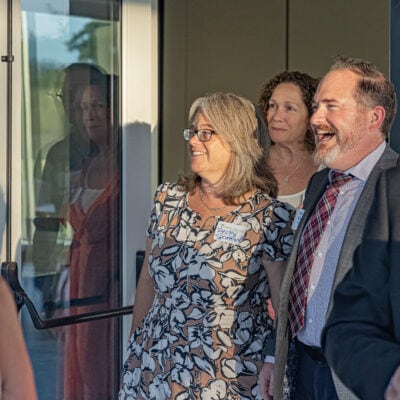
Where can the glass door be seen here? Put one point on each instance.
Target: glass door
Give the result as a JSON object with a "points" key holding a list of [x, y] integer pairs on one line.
{"points": [[68, 195], [71, 175]]}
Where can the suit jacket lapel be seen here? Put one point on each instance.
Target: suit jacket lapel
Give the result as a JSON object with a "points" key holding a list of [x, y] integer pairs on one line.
{"points": [[358, 220]]}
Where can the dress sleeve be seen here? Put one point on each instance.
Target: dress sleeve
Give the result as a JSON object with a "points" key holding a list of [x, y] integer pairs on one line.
{"points": [[156, 210], [278, 233]]}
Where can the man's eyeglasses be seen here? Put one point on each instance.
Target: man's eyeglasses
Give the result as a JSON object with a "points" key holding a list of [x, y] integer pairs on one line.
{"points": [[204, 135]]}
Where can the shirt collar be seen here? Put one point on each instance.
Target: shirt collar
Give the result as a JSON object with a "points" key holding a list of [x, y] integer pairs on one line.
{"points": [[363, 169]]}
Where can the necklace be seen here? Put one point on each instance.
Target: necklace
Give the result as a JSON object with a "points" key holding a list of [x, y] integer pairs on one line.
{"points": [[286, 178], [207, 206]]}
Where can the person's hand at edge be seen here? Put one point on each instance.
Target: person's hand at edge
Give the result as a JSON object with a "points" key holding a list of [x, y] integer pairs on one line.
{"points": [[266, 381], [393, 390]]}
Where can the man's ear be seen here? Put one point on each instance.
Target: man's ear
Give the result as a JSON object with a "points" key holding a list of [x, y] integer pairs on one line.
{"points": [[376, 118]]}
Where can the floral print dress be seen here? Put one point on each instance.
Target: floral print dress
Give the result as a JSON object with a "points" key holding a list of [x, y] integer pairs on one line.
{"points": [[204, 335]]}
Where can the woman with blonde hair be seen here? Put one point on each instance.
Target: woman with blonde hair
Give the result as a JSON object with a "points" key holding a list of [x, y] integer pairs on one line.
{"points": [[216, 250]]}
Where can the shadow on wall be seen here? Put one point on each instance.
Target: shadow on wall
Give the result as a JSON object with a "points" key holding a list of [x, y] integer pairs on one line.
{"points": [[138, 195]]}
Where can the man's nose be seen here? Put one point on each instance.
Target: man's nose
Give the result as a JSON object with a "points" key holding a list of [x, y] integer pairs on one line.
{"points": [[318, 116]]}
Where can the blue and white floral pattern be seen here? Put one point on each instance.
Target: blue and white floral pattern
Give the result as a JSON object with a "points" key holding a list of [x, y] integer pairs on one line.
{"points": [[204, 335]]}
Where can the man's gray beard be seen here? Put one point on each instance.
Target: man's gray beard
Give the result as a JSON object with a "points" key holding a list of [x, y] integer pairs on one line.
{"points": [[329, 156], [342, 146]]}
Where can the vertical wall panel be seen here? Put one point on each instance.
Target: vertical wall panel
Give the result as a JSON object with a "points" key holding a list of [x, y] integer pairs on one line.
{"points": [[227, 45], [320, 30], [174, 81], [215, 45]]}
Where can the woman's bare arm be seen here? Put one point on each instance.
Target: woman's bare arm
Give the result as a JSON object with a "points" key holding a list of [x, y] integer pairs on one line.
{"points": [[16, 375], [144, 292]]}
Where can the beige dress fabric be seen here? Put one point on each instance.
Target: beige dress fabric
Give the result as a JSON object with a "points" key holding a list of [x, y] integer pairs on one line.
{"points": [[204, 335]]}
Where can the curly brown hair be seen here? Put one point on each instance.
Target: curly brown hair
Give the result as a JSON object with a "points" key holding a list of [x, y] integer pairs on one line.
{"points": [[307, 85]]}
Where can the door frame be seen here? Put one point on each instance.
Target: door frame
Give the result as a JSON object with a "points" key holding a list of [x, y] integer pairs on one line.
{"points": [[139, 133]]}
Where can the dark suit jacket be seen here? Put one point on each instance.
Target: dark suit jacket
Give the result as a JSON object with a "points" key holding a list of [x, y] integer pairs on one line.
{"points": [[362, 336], [351, 241]]}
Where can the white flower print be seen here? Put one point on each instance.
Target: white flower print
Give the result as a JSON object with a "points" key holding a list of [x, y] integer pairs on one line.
{"points": [[131, 380], [199, 335], [287, 244], [254, 264], [181, 233], [254, 223], [255, 391], [198, 268], [220, 317], [207, 300], [206, 251], [181, 370], [205, 330], [216, 390], [283, 212], [160, 350], [233, 367], [159, 389], [232, 282], [179, 299], [176, 320], [205, 365], [147, 362], [183, 396], [162, 276], [224, 338], [245, 323]]}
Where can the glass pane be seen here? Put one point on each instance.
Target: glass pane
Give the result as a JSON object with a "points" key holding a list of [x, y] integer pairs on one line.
{"points": [[71, 191]]}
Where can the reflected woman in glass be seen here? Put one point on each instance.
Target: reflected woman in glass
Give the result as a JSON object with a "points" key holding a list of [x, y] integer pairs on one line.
{"points": [[68, 154], [93, 213], [61, 171]]}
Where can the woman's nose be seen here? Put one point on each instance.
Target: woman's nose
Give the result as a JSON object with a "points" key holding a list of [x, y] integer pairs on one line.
{"points": [[194, 139], [277, 114]]}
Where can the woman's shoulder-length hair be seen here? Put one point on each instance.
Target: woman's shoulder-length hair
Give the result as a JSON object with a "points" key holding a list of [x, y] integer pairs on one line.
{"points": [[235, 121]]}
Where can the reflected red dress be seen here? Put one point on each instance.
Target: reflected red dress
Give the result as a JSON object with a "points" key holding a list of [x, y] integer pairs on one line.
{"points": [[91, 362]]}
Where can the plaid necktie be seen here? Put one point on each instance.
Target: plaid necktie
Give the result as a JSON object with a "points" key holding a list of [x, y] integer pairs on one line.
{"points": [[309, 241]]}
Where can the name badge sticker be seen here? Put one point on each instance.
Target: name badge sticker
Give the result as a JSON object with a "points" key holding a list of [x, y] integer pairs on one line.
{"points": [[228, 232], [297, 218]]}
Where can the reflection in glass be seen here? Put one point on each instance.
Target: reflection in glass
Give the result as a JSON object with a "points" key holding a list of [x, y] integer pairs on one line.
{"points": [[55, 185], [71, 192], [94, 256]]}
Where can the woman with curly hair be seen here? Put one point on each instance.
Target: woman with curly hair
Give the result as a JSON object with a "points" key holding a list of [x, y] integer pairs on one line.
{"points": [[286, 104]]}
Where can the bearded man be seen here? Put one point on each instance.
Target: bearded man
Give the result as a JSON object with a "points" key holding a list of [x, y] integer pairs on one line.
{"points": [[354, 107]]}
